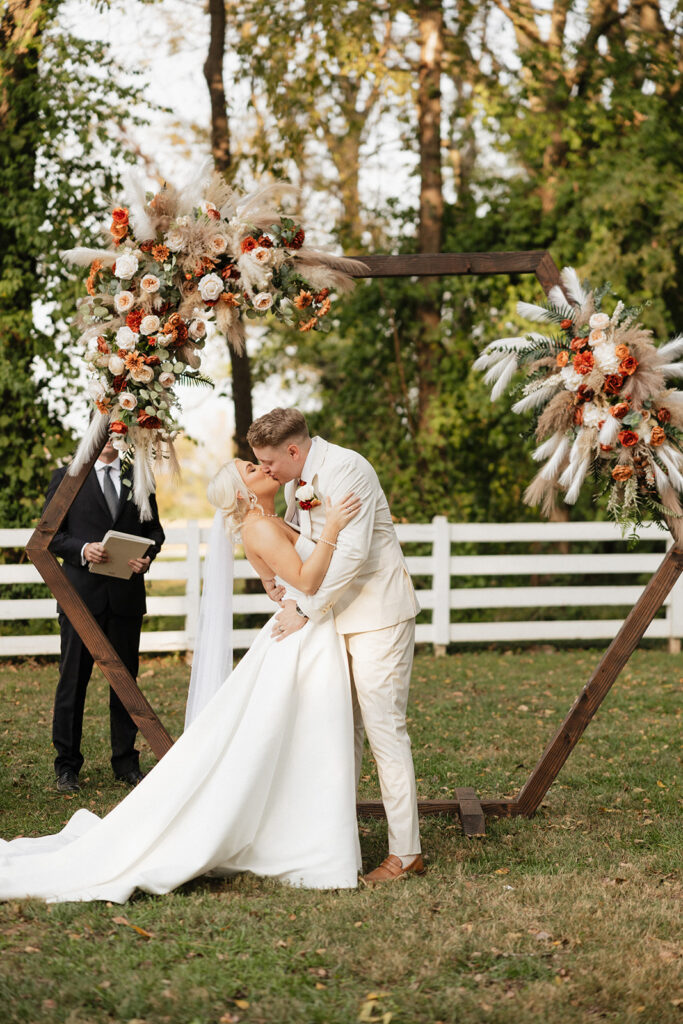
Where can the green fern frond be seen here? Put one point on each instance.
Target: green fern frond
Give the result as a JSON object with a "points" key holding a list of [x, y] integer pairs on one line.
{"points": [[195, 379]]}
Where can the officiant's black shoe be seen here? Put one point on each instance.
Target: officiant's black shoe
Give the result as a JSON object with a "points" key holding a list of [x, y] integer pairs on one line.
{"points": [[67, 782], [131, 778]]}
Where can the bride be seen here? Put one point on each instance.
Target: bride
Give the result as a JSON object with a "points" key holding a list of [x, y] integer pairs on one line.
{"points": [[263, 777]]}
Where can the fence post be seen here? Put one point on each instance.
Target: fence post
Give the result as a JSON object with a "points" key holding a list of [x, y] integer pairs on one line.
{"points": [[674, 613], [441, 584], [193, 586]]}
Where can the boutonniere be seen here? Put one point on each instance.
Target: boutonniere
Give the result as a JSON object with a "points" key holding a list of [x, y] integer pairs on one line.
{"points": [[305, 496]]}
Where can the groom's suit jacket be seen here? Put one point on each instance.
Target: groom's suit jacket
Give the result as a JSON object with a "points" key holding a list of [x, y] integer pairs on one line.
{"points": [[367, 584]]}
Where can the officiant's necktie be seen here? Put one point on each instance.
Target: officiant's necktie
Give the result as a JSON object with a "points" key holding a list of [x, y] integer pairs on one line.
{"points": [[110, 495]]}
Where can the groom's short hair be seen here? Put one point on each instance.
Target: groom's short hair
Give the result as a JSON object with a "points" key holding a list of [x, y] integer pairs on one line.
{"points": [[277, 427]]}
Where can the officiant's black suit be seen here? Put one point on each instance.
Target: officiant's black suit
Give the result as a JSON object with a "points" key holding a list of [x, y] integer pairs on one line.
{"points": [[118, 605]]}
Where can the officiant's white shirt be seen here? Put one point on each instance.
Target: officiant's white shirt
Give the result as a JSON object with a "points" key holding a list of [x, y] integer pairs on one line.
{"points": [[367, 584]]}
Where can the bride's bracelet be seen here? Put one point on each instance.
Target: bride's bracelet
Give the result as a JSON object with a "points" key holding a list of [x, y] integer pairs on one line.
{"points": [[331, 543]]}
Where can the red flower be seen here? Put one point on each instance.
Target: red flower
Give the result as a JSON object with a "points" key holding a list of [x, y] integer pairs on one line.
{"points": [[148, 422], [265, 242], [298, 240], [577, 344], [628, 365], [619, 410], [117, 427], [613, 384], [566, 324], [102, 345], [152, 360], [119, 383], [134, 319], [584, 362], [584, 394], [628, 438], [248, 243], [120, 215], [663, 415], [657, 436]]}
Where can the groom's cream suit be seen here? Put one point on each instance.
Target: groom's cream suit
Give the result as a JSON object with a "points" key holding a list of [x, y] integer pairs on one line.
{"points": [[370, 592]]}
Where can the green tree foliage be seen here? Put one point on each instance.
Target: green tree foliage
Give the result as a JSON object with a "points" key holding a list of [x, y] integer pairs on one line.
{"points": [[61, 118]]}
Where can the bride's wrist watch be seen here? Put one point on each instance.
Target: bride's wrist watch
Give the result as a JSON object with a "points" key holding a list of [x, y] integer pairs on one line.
{"points": [[299, 612]]}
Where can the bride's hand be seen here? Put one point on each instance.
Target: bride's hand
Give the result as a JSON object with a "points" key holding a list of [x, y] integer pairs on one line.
{"points": [[337, 516]]}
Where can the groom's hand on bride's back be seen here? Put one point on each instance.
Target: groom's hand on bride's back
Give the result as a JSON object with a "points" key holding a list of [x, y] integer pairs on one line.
{"points": [[288, 621]]}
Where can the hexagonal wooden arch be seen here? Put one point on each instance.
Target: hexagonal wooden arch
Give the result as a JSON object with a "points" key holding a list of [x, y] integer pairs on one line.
{"points": [[465, 803]]}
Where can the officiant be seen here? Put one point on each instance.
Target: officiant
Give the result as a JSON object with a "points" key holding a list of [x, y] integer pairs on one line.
{"points": [[117, 604]]}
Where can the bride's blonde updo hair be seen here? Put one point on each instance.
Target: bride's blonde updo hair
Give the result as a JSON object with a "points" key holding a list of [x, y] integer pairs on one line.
{"points": [[228, 492]]}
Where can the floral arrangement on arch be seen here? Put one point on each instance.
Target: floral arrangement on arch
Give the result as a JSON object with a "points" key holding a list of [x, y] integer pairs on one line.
{"points": [[599, 390], [176, 262]]}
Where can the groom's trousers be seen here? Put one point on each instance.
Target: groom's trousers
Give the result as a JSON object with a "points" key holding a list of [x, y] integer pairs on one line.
{"points": [[381, 662]]}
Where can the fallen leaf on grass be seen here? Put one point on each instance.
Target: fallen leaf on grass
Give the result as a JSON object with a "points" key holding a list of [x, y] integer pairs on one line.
{"points": [[242, 1003], [134, 927], [228, 1018], [31, 949], [541, 936]]}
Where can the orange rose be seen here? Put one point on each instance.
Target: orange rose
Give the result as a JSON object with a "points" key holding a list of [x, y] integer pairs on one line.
{"points": [[663, 415], [657, 437], [119, 231], [621, 351], [566, 324], [119, 215], [628, 365], [619, 410], [117, 427], [584, 394], [147, 246], [584, 362], [576, 344], [148, 422], [613, 384], [562, 357], [628, 438], [248, 244], [622, 473]]}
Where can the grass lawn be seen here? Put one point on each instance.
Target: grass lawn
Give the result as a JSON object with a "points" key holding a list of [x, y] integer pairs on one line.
{"points": [[572, 916]]}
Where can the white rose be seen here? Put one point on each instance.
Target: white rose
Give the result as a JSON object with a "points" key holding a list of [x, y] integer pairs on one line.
{"points": [[219, 243], [597, 338], [125, 339], [125, 266], [174, 241], [149, 324], [197, 329], [262, 255], [150, 284], [96, 390], [116, 365], [305, 493], [592, 415], [570, 377], [599, 321], [264, 300], [102, 359], [167, 379], [127, 401], [123, 301], [210, 287], [182, 222], [606, 358], [205, 206], [142, 374]]}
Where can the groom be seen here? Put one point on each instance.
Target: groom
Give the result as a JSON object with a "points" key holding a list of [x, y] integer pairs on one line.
{"points": [[370, 592]]}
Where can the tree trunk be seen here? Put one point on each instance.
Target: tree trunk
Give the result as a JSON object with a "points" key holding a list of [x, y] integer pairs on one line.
{"points": [[430, 226], [220, 150]]}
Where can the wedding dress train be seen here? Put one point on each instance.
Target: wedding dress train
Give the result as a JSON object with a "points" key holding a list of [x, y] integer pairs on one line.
{"points": [[263, 780]]}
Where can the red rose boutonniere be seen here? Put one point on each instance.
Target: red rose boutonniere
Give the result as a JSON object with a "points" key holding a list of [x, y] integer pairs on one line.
{"points": [[305, 496]]}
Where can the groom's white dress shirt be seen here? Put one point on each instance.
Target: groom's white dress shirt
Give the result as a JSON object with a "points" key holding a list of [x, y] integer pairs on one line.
{"points": [[371, 594]]}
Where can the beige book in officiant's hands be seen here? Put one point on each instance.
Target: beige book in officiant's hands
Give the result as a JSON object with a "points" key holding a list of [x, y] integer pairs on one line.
{"points": [[121, 548]]}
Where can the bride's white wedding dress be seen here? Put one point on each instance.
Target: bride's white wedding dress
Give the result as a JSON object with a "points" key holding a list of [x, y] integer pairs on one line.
{"points": [[263, 780]]}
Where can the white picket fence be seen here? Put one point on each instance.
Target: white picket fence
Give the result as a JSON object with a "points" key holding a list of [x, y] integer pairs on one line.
{"points": [[180, 567]]}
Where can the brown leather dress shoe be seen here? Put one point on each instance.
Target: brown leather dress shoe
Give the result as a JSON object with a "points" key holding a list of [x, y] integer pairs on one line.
{"points": [[391, 869]]}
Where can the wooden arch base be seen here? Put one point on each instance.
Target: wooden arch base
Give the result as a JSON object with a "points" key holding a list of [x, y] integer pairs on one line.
{"points": [[466, 804]]}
